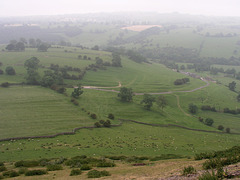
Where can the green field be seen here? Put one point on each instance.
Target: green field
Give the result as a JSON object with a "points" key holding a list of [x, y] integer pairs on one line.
{"points": [[34, 110], [27, 110]]}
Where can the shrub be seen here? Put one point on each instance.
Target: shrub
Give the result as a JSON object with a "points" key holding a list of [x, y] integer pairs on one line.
{"points": [[192, 108], [107, 123], [188, 170], [85, 167], [101, 121], [10, 70], [1, 164], [97, 124], [106, 164], [93, 116], [5, 84], [75, 172], [1, 72], [227, 130], [2, 168], [111, 116], [212, 164], [117, 157], [35, 172], [1, 177], [208, 176], [22, 170], [26, 163], [220, 127], [209, 121], [54, 167], [10, 174], [97, 174]]}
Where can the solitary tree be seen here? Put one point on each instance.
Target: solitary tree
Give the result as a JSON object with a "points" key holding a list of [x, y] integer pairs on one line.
{"points": [[77, 92], [32, 76], [161, 101], [43, 47], [147, 101], [10, 70], [220, 127], [126, 94], [116, 60], [209, 121], [227, 130], [232, 86], [192, 108]]}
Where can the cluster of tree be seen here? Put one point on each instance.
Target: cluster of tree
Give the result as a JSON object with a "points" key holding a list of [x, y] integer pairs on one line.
{"points": [[232, 86], [103, 123], [32, 65], [220, 35], [59, 89], [148, 101], [133, 55], [50, 78], [22, 44], [187, 56], [175, 54], [208, 108], [231, 111], [84, 57], [207, 121], [116, 60], [64, 71], [181, 81], [15, 46], [96, 48]]}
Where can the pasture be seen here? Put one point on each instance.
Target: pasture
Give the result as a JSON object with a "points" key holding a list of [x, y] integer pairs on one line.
{"points": [[34, 110]]}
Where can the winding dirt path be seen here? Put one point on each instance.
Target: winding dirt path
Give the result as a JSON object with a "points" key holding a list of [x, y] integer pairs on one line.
{"points": [[108, 89]]}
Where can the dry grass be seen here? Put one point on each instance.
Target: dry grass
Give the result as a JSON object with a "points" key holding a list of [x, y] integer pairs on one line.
{"points": [[125, 171]]}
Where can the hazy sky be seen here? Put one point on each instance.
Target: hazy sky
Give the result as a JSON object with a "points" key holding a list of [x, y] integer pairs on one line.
{"points": [[53, 7]]}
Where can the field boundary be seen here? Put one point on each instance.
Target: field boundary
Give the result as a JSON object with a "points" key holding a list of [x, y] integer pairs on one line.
{"points": [[115, 125]]}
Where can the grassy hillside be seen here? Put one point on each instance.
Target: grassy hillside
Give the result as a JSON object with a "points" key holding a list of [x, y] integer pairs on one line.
{"points": [[34, 110], [31, 111]]}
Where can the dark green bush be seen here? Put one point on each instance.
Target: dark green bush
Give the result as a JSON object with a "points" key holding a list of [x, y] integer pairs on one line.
{"points": [[85, 167], [97, 124], [75, 172], [26, 163], [106, 164], [111, 116], [107, 123], [22, 170], [188, 170], [117, 157], [97, 174], [5, 84], [2, 168], [10, 174], [35, 172], [54, 167], [93, 116], [1, 164], [1, 177]]}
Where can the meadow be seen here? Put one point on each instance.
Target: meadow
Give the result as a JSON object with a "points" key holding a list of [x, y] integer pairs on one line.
{"points": [[34, 110]]}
